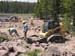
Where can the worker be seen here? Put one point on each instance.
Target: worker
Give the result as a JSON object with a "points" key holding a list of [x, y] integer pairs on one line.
{"points": [[25, 29], [13, 30], [32, 24]]}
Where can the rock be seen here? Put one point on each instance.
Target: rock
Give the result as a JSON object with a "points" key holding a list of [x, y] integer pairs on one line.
{"points": [[3, 52], [12, 54], [19, 49]]}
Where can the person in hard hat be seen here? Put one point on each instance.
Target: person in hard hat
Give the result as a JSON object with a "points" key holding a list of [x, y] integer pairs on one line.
{"points": [[12, 30], [25, 28]]}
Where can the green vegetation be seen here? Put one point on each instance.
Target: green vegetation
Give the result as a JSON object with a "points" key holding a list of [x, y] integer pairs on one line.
{"points": [[16, 7], [44, 8], [3, 37], [47, 8], [33, 53]]}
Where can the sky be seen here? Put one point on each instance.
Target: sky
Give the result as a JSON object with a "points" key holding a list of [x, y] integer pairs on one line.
{"points": [[21, 0]]}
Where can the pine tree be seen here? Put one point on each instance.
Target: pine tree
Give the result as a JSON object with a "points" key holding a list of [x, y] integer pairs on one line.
{"points": [[45, 8]]}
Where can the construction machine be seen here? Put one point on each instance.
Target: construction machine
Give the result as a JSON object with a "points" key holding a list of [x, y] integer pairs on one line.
{"points": [[53, 31]]}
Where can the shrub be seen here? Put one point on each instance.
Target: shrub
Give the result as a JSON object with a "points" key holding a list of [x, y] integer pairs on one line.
{"points": [[33, 53], [3, 38]]}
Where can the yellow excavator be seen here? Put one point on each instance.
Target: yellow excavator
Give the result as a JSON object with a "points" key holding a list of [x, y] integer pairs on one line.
{"points": [[52, 28]]}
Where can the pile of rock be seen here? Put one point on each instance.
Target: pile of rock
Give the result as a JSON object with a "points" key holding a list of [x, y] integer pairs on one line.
{"points": [[12, 48], [65, 49]]}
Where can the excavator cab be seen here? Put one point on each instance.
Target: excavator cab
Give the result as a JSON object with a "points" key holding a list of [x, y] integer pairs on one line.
{"points": [[50, 24]]}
